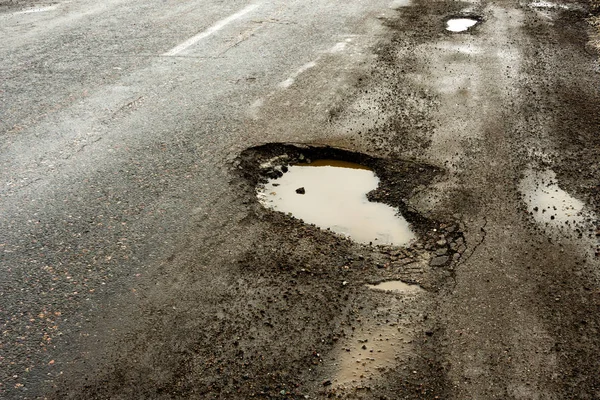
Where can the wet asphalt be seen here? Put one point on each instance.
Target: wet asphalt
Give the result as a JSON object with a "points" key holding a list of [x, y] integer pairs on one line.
{"points": [[136, 261]]}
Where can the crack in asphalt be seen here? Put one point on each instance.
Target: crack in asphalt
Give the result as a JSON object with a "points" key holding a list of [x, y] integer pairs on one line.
{"points": [[475, 247]]}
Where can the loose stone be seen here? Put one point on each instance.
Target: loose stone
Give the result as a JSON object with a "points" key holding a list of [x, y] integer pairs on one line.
{"points": [[439, 261]]}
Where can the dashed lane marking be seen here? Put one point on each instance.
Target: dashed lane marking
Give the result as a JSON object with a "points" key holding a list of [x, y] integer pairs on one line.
{"points": [[213, 29]]}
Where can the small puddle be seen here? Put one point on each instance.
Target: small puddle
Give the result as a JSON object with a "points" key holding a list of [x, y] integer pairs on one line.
{"points": [[333, 195], [396, 286], [384, 338], [547, 201], [460, 24], [376, 350]]}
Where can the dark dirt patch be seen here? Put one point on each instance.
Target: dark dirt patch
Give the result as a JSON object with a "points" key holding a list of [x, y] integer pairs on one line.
{"points": [[262, 333]]}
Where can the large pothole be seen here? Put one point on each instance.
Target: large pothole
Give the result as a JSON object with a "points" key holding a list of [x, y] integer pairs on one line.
{"points": [[332, 194], [382, 291], [351, 194]]}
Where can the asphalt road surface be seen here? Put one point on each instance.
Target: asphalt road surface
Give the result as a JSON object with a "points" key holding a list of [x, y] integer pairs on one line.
{"points": [[136, 261]]}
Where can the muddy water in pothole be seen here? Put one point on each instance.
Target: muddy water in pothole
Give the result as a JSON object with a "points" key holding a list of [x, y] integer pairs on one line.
{"points": [[460, 24], [547, 202], [333, 194]]}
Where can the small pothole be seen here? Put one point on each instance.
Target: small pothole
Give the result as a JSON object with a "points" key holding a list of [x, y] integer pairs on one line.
{"points": [[547, 202], [461, 24], [332, 195]]}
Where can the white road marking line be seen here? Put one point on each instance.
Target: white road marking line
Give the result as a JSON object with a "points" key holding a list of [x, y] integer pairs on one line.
{"points": [[289, 81], [216, 27], [255, 107], [396, 4], [338, 47], [37, 10]]}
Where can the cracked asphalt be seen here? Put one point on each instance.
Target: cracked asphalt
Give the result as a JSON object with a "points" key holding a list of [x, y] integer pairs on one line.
{"points": [[137, 263]]}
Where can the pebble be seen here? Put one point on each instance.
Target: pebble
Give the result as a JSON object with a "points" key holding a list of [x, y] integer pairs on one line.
{"points": [[442, 251], [439, 261]]}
